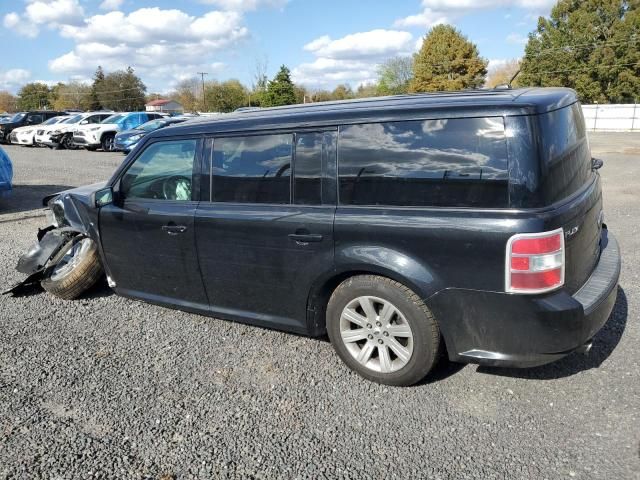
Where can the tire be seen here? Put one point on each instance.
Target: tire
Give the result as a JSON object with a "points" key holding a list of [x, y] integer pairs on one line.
{"points": [[410, 330], [76, 269], [107, 142], [65, 142]]}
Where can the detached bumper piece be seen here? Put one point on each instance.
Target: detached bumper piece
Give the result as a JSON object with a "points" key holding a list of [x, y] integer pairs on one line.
{"points": [[35, 262]]}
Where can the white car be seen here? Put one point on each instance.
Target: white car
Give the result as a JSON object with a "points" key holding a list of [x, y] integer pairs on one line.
{"points": [[43, 131], [61, 135], [26, 135], [102, 135]]}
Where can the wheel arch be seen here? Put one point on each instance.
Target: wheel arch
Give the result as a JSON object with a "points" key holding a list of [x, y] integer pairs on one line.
{"points": [[379, 261]]}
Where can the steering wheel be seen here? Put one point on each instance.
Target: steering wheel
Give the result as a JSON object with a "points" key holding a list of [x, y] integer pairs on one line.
{"points": [[177, 187]]}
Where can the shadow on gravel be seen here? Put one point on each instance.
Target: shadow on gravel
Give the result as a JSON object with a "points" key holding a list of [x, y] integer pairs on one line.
{"points": [[24, 198], [604, 343]]}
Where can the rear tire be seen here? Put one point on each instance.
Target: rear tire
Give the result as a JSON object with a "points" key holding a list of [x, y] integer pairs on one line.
{"points": [[382, 330], [77, 268]]}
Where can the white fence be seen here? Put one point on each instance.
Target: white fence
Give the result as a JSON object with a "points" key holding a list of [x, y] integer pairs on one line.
{"points": [[624, 117]]}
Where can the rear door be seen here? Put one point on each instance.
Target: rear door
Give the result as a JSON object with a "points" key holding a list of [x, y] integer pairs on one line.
{"points": [[267, 233]]}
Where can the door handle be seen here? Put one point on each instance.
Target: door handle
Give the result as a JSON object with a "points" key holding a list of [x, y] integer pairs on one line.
{"points": [[174, 229], [305, 237]]}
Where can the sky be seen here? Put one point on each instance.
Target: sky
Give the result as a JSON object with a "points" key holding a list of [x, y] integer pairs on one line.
{"points": [[323, 42]]}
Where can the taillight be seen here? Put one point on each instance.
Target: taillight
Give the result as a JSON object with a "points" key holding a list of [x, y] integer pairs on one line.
{"points": [[535, 262]]}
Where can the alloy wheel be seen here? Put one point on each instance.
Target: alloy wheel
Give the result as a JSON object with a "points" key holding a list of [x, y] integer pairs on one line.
{"points": [[376, 334]]}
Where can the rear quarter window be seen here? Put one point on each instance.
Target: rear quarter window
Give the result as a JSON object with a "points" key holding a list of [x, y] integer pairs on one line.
{"points": [[445, 162], [565, 155]]}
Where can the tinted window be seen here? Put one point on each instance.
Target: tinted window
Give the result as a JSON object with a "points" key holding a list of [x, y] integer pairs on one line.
{"points": [[565, 152], [448, 162], [255, 169], [163, 171], [36, 118], [308, 168]]}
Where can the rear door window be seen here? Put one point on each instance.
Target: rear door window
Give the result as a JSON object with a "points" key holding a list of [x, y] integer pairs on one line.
{"points": [[445, 162], [312, 152], [252, 169]]}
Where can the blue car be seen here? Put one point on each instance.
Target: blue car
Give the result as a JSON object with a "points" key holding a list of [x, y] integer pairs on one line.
{"points": [[6, 173], [127, 140]]}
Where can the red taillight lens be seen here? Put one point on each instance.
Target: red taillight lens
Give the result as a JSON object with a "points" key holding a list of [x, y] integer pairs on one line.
{"points": [[535, 262]]}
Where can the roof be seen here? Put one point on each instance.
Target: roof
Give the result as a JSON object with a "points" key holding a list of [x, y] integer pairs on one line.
{"points": [[159, 103], [467, 103]]}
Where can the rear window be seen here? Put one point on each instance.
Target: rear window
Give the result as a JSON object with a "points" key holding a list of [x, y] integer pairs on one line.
{"points": [[446, 162], [566, 159]]}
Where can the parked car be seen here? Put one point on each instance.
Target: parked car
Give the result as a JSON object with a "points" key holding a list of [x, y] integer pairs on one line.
{"points": [[41, 132], [62, 135], [127, 140], [6, 174], [22, 119], [402, 226], [103, 135]]}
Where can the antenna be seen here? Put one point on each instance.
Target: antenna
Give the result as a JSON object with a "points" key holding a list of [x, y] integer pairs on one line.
{"points": [[513, 78]]}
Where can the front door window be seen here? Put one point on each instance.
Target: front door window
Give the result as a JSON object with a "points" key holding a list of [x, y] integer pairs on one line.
{"points": [[164, 171]]}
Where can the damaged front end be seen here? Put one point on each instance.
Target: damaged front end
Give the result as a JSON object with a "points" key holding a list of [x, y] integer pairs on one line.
{"points": [[71, 217]]}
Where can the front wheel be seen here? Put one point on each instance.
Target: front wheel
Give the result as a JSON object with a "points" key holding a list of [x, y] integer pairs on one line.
{"points": [[382, 330], [76, 269], [108, 142]]}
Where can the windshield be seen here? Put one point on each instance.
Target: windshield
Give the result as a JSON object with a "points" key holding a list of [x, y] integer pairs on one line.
{"points": [[53, 120], [114, 118], [17, 117], [75, 119], [152, 125]]}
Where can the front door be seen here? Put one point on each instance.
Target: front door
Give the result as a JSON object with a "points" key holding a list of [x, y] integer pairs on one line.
{"points": [[267, 234], [148, 234]]}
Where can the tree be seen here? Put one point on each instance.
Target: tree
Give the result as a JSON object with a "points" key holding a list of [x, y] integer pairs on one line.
{"points": [[342, 92], [280, 90], [98, 78], [502, 74], [226, 96], [367, 90], [121, 90], [394, 76], [33, 96], [589, 45], [188, 93], [447, 61], [72, 95], [8, 102]]}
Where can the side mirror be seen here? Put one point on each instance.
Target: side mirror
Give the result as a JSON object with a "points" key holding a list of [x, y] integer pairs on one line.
{"points": [[84, 122], [103, 197], [29, 121]]}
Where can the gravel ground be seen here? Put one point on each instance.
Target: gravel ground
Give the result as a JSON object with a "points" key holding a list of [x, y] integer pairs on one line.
{"points": [[107, 387]]}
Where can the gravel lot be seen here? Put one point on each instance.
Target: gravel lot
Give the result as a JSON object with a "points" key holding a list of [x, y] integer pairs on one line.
{"points": [[107, 387]]}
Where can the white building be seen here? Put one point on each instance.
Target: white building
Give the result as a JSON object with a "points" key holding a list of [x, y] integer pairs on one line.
{"points": [[166, 106]]}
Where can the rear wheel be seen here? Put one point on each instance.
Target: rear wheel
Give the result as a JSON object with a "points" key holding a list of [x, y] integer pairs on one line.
{"points": [[382, 330], [76, 268]]}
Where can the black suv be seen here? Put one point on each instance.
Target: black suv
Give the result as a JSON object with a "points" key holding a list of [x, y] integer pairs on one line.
{"points": [[22, 119], [400, 226]]}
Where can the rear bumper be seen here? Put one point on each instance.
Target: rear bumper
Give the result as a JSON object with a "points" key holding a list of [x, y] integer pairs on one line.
{"points": [[501, 329]]}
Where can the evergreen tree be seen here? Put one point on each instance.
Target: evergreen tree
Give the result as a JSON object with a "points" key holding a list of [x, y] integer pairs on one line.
{"points": [[280, 90], [34, 96], [121, 90], [592, 46], [447, 61], [98, 78]]}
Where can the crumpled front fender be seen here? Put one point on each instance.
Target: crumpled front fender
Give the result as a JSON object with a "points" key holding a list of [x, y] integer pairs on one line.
{"points": [[35, 262]]}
